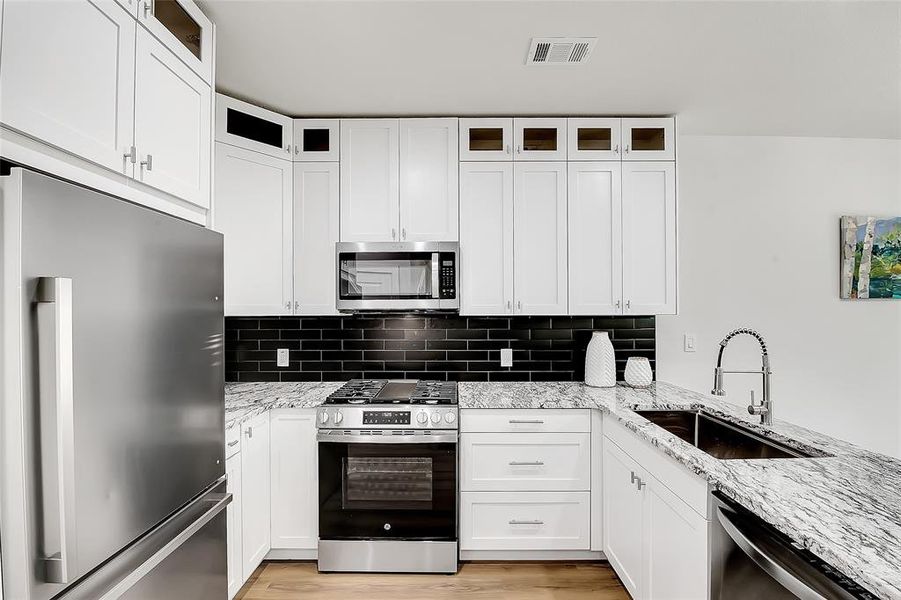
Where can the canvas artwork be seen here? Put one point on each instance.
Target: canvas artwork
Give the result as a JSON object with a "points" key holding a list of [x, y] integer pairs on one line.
{"points": [[871, 257]]}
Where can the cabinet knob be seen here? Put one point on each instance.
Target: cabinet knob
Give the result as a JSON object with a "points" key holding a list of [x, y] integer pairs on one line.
{"points": [[296, 149], [509, 305], [627, 148], [288, 305], [518, 149], [288, 149], [519, 305], [628, 304], [619, 303], [296, 305], [616, 149]]}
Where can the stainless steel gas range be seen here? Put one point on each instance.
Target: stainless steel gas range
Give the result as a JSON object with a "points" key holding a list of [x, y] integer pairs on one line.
{"points": [[388, 477]]}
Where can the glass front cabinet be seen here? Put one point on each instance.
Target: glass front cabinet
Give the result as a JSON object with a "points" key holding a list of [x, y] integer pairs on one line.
{"points": [[649, 139], [184, 29], [486, 139], [316, 140], [247, 126], [640, 138]]}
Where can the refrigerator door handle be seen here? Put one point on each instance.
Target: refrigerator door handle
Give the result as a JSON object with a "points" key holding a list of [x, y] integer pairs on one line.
{"points": [[56, 393], [218, 501]]}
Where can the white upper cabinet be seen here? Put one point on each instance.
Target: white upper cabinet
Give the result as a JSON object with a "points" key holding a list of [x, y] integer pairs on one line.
{"points": [[595, 238], [486, 139], [242, 124], [68, 77], [315, 234], [172, 124], [540, 246], [539, 139], [429, 195], [369, 180], [316, 140], [594, 139], [253, 212], [184, 29], [486, 238], [649, 238], [649, 139], [295, 490]]}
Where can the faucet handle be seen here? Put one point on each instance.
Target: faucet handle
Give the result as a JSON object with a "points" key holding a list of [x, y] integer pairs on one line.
{"points": [[756, 409]]}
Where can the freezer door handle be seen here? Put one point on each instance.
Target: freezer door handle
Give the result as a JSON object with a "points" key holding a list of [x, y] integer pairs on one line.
{"points": [[57, 407]]}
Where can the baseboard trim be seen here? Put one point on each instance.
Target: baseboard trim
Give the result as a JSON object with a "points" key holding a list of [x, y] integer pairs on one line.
{"points": [[530, 555]]}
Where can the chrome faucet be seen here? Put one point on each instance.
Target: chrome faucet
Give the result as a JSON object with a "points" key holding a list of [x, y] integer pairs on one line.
{"points": [[765, 408]]}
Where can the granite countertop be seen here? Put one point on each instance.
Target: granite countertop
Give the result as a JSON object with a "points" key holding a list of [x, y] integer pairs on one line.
{"points": [[845, 508]]}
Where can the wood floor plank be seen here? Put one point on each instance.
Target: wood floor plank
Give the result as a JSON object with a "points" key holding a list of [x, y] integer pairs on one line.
{"points": [[475, 581]]}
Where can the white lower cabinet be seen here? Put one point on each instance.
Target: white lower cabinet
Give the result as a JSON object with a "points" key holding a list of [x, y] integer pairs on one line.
{"points": [[655, 542], [524, 521], [294, 504], [234, 525], [255, 492]]}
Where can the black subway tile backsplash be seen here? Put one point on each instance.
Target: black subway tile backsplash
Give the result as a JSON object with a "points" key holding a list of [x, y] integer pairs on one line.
{"points": [[444, 347]]}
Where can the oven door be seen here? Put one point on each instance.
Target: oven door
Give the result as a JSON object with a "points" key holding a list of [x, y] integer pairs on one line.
{"points": [[397, 276], [394, 486]]}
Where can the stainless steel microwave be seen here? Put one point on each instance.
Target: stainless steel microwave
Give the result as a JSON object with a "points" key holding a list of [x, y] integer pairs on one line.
{"points": [[398, 275]]}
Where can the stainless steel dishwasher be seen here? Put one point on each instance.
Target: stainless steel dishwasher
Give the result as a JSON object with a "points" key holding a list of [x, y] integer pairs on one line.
{"points": [[751, 560]]}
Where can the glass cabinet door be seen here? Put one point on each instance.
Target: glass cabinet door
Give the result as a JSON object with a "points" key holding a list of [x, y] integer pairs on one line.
{"points": [[594, 139], [539, 139], [486, 139], [649, 139], [185, 30], [247, 126], [316, 140]]}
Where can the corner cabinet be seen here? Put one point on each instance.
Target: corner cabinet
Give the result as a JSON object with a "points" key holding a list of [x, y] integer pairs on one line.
{"points": [[254, 203], [247, 126]]}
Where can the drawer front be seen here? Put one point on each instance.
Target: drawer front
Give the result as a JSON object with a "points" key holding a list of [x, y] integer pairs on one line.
{"points": [[525, 521], [503, 462], [504, 420], [232, 441]]}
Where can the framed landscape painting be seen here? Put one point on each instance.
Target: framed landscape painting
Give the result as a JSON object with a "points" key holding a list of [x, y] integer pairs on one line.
{"points": [[871, 257]]}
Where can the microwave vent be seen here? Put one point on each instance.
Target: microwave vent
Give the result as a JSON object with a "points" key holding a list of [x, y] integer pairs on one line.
{"points": [[560, 51]]}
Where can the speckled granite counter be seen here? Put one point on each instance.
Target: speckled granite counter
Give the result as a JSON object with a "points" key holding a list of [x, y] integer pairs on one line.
{"points": [[845, 508], [246, 400]]}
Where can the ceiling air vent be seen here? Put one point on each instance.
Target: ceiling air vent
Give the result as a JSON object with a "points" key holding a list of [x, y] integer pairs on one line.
{"points": [[560, 51]]}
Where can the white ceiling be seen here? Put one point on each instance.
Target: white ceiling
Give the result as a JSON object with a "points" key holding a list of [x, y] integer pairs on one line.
{"points": [[744, 68]]}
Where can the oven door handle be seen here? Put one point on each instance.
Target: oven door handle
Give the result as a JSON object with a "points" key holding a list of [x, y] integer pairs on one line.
{"points": [[356, 438]]}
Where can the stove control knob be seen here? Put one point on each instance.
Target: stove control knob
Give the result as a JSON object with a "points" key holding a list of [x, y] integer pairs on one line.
{"points": [[436, 418], [422, 418], [338, 417], [323, 417], [450, 418]]}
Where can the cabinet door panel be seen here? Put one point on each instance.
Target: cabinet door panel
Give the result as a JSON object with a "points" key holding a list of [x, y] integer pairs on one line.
{"points": [[68, 77], [315, 234], [486, 238], [234, 526], [255, 478], [539, 139], [539, 225], [649, 238], [316, 140], [295, 487], [623, 515], [248, 126], [486, 139], [184, 29], [429, 195], [595, 242], [369, 180], [675, 547], [649, 139], [253, 212], [594, 139], [172, 124]]}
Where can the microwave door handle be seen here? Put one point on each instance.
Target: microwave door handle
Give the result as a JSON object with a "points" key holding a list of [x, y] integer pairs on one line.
{"points": [[435, 266], [56, 395]]}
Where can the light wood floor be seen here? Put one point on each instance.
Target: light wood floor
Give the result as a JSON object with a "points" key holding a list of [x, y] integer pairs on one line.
{"points": [[475, 581]]}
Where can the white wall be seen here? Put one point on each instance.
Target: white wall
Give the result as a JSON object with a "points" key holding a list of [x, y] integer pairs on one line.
{"points": [[759, 247]]}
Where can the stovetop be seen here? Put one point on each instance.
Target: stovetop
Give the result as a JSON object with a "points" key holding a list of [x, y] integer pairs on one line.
{"points": [[395, 391]]}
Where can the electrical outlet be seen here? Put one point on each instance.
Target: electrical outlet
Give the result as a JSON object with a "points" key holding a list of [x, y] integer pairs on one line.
{"points": [[282, 357], [506, 357], [689, 342]]}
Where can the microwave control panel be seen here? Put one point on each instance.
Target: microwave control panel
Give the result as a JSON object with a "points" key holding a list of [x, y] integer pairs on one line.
{"points": [[447, 278]]}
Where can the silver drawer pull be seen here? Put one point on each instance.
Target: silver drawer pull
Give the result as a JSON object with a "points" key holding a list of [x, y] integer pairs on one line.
{"points": [[535, 463], [517, 522], [230, 444], [526, 422]]}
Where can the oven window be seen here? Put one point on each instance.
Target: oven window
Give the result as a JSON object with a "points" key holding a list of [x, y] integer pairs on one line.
{"points": [[388, 491], [385, 275]]}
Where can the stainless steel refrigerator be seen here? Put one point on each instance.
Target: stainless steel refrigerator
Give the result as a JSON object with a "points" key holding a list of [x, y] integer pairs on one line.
{"points": [[112, 439]]}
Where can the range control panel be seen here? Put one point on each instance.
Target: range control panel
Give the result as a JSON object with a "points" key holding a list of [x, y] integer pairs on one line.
{"points": [[386, 417], [402, 417], [447, 276]]}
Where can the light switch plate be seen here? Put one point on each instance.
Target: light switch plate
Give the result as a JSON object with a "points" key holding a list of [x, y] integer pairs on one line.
{"points": [[506, 357], [689, 344], [282, 357]]}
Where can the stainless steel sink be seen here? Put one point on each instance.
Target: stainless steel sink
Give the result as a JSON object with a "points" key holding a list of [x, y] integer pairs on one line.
{"points": [[718, 437]]}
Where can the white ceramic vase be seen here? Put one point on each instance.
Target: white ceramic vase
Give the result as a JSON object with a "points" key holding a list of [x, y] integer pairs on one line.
{"points": [[600, 361], [638, 372]]}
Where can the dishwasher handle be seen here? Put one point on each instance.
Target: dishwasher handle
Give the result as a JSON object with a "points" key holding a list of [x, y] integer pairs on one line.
{"points": [[779, 560]]}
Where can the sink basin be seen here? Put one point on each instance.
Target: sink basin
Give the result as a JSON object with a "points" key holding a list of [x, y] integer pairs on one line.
{"points": [[720, 438]]}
